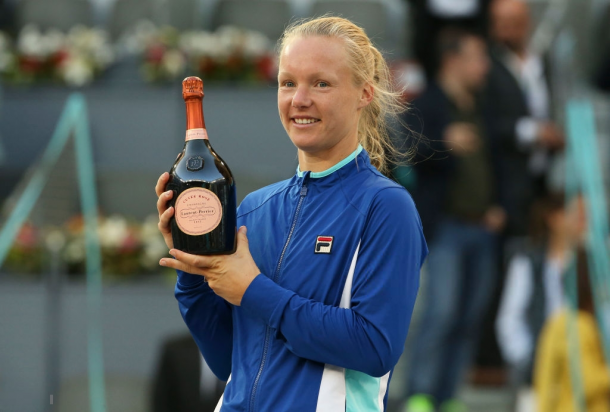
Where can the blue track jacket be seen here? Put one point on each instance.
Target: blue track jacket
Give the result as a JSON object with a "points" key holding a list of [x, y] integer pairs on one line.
{"points": [[321, 328]]}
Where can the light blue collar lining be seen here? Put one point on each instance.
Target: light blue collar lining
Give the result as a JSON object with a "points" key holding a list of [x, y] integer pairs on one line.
{"points": [[317, 175]]}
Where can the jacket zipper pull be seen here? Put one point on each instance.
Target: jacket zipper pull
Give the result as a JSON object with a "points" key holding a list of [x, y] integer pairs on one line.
{"points": [[304, 191]]}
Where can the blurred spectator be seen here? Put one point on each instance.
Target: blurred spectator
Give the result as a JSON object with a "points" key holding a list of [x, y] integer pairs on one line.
{"points": [[553, 379], [429, 17], [183, 382], [533, 290], [455, 194], [519, 109]]}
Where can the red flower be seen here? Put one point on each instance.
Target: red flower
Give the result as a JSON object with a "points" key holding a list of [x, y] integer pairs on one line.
{"points": [[155, 53], [27, 237], [30, 64], [59, 57], [265, 67]]}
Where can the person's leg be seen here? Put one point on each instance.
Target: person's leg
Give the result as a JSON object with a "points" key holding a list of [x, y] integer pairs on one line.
{"points": [[479, 281], [441, 300]]}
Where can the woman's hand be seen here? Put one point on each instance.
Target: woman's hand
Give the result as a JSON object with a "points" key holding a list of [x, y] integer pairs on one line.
{"points": [[165, 213], [228, 275]]}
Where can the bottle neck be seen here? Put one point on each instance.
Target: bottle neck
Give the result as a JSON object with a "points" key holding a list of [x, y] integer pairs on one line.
{"points": [[195, 124]]}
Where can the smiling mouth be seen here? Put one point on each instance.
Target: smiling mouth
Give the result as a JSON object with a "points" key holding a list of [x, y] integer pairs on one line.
{"points": [[305, 121]]}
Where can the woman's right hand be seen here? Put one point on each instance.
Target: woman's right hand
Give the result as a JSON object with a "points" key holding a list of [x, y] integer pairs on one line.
{"points": [[165, 213]]}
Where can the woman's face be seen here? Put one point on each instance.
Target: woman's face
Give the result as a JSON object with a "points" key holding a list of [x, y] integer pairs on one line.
{"points": [[319, 104]]}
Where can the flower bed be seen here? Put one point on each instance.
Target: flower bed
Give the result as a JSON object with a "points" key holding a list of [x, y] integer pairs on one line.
{"points": [[128, 248], [74, 58], [228, 54]]}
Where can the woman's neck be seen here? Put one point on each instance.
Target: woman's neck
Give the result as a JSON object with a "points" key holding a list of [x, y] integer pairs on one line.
{"points": [[324, 160]]}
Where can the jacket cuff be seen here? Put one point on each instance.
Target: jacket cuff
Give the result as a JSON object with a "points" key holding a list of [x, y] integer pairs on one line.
{"points": [[188, 281], [266, 299]]}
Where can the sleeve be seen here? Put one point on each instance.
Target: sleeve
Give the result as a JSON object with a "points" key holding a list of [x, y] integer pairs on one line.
{"points": [[210, 320], [514, 336], [547, 363], [369, 336], [526, 130]]}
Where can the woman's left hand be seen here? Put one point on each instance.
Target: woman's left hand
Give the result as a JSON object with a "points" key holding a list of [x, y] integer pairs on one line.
{"points": [[228, 275]]}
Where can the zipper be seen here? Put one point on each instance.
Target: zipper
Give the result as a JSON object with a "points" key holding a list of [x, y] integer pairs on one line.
{"points": [[275, 279]]}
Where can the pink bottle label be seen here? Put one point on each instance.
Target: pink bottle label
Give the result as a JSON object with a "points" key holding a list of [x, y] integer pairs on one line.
{"points": [[198, 211], [193, 134]]}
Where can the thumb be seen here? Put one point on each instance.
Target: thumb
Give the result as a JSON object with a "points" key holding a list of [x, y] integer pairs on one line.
{"points": [[242, 237]]}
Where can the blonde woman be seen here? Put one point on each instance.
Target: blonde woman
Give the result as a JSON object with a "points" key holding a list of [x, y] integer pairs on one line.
{"points": [[312, 311]]}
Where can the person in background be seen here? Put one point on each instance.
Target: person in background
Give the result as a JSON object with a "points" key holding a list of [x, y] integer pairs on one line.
{"points": [[183, 382], [456, 195], [533, 290], [519, 112], [553, 379], [429, 17]]}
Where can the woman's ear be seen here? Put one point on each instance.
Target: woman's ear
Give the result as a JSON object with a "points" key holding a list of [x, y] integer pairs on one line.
{"points": [[367, 95]]}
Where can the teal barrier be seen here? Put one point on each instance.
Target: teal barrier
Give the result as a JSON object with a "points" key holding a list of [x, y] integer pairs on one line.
{"points": [[584, 176], [73, 121]]}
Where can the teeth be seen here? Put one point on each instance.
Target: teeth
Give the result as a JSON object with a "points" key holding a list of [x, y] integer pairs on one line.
{"points": [[305, 121]]}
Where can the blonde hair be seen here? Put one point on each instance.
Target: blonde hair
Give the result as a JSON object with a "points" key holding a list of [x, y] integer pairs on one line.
{"points": [[368, 66]]}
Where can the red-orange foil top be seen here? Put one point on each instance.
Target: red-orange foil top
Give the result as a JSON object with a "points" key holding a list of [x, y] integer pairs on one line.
{"points": [[192, 92], [192, 86]]}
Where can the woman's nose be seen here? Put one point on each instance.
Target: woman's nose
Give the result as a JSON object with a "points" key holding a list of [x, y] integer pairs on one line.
{"points": [[301, 97]]}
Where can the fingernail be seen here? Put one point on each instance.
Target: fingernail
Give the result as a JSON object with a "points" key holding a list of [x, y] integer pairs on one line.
{"points": [[162, 262], [172, 252]]}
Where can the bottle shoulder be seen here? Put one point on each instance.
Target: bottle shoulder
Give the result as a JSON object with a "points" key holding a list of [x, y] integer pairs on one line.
{"points": [[199, 162]]}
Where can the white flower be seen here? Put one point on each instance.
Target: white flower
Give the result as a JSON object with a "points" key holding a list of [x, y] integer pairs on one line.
{"points": [[154, 245], [55, 240], [256, 44], [76, 71], [75, 251], [103, 56], [173, 63], [149, 229], [30, 42], [136, 40], [53, 41], [200, 44], [113, 231], [153, 251]]}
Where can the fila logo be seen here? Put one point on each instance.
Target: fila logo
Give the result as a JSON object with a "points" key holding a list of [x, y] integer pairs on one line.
{"points": [[324, 244]]}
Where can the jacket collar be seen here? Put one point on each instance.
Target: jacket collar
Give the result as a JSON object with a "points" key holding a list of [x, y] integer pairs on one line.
{"points": [[327, 172]]}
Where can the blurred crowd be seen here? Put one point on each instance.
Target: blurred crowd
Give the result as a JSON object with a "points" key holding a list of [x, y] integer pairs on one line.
{"points": [[486, 140]]}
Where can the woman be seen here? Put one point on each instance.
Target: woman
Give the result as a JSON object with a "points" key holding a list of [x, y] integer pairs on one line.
{"points": [[312, 311], [553, 377], [533, 290]]}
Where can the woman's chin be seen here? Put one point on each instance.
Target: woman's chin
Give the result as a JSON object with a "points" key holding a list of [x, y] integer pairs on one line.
{"points": [[306, 143]]}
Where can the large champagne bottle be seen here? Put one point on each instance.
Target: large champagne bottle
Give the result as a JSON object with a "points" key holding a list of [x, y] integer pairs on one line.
{"points": [[205, 217]]}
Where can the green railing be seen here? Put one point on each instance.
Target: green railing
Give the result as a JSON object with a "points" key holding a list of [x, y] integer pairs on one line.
{"points": [[74, 122], [584, 177]]}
